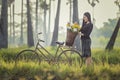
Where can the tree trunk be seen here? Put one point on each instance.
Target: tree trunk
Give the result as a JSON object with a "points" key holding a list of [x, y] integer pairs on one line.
{"points": [[36, 22], [10, 32], [21, 36], [36, 29], [13, 24], [70, 11], [30, 40], [56, 25], [10, 25], [75, 11], [44, 27], [48, 34], [76, 19], [4, 25], [111, 42]]}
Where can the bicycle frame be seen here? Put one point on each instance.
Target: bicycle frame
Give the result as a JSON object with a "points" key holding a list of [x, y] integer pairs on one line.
{"points": [[41, 47]]}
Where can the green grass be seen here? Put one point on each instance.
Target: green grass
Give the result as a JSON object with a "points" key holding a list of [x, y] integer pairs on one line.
{"points": [[106, 67]]}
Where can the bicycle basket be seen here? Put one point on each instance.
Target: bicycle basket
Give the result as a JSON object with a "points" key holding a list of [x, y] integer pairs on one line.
{"points": [[70, 37]]}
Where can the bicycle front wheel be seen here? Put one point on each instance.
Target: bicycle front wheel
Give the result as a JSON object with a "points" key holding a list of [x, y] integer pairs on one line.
{"points": [[71, 57], [27, 56]]}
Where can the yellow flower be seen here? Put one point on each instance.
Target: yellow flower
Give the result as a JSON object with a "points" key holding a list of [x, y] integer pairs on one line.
{"points": [[68, 25], [74, 28], [76, 25]]}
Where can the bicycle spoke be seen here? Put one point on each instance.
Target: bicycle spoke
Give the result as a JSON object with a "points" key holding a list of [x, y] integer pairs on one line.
{"points": [[27, 56], [70, 57]]}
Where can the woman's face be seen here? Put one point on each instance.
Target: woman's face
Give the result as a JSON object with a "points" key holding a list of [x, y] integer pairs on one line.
{"points": [[85, 18]]}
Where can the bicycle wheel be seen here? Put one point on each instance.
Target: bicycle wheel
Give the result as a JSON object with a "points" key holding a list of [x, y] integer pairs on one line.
{"points": [[71, 57], [27, 56]]}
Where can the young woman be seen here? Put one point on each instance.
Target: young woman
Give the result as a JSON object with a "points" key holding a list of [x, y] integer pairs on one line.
{"points": [[86, 30]]}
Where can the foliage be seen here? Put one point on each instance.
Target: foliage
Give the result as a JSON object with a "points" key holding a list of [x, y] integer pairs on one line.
{"points": [[44, 5], [108, 28], [100, 37], [44, 71]]}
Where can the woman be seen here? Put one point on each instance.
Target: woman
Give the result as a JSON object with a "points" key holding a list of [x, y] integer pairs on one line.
{"points": [[86, 30]]}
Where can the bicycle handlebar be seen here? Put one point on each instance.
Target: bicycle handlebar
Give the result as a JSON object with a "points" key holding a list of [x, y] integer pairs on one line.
{"points": [[41, 40], [40, 33]]}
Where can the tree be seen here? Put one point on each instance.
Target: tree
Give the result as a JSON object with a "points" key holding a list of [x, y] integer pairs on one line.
{"points": [[56, 25], [113, 37], [49, 20], [44, 6], [21, 36], [108, 28], [76, 19], [70, 2], [13, 23], [111, 42], [30, 40], [117, 2], [36, 16], [75, 11], [93, 3], [36, 22], [9, 5], [10, 24], [4, 25], [44, 27]]}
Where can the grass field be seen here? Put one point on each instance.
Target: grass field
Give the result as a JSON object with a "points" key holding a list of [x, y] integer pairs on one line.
{"points": [[106, 67]]}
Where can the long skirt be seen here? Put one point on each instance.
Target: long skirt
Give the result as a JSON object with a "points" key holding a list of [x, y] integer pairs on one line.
{"points": [[86, 47]]}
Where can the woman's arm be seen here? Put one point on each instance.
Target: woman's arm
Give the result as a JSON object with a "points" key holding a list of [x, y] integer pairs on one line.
{"points": [[87, 30]]}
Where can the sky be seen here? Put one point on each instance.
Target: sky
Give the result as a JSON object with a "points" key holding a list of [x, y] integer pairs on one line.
{"points": [[102, 11]]}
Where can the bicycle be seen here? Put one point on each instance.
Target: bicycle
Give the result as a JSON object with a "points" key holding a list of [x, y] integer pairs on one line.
{"points": [[42, 54]]}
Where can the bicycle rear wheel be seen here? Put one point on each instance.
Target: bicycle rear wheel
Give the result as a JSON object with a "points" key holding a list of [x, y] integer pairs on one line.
{"points": [[71, 57], [27, 56]]}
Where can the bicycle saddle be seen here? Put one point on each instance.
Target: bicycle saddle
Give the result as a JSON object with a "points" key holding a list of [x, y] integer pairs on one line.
{"points": [[60, 43]]}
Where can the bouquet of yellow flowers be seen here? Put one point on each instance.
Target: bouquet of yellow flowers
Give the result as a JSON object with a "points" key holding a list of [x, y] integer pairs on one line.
{"points": [[74, 28]]}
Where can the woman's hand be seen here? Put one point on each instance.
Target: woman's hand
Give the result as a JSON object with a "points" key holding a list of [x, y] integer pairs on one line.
{"points": [[81, 34]]}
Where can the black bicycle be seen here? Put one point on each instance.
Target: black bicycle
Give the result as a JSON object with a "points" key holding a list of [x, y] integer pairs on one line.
{"points": [[62, 55]]}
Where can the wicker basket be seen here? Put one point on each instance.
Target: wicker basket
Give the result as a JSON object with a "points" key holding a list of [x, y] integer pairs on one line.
{"points": [[70, 37]]}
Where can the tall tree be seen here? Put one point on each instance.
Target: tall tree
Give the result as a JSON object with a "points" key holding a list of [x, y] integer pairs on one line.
{"points": [[4, 25], [49, 20], [93, 3], [70, 10], [30, 40], [56, 25], [117, 2], [111, 42], [108, 28], [10, 23], [44, 6], [76, 19], [36, 29], [21, 36], [44, 25], [36, 21], [13, 23], [75, 11], [10, 6]]}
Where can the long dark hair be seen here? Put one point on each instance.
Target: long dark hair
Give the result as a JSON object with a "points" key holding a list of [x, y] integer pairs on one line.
{"points": [[87, 14]]}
